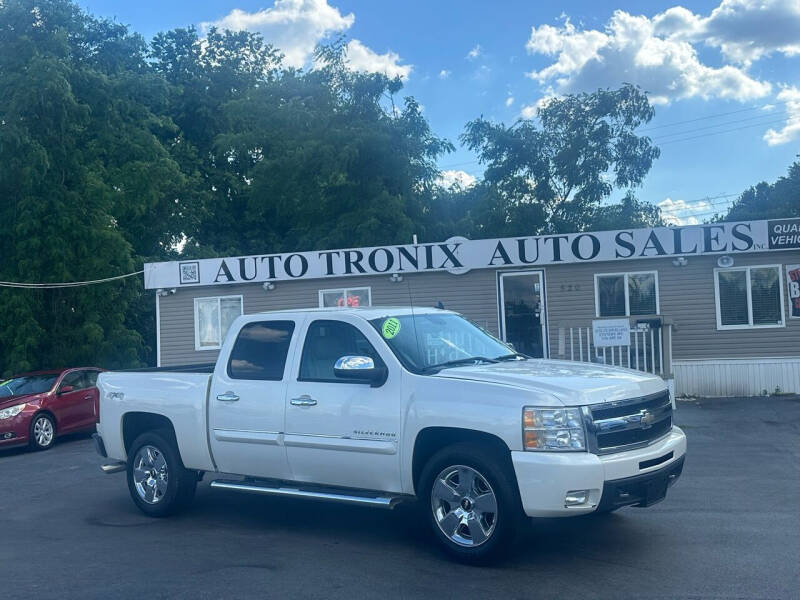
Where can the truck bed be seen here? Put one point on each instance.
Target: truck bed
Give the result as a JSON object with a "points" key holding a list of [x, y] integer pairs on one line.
{"points": [[196, 368], [180, 394]]}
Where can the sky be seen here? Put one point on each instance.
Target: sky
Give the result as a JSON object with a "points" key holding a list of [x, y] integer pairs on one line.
{"points": [[723, 75]]}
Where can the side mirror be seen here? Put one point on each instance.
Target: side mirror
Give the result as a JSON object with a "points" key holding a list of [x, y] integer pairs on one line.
{"points": [[65, 389], [360, 369]]}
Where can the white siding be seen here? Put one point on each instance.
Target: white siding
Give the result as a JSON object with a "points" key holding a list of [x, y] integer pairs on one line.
{"points": [[736, 377]]}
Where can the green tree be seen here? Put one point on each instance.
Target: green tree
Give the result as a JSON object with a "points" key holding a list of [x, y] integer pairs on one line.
{"points": [[88, 184], [297, 160], [769, 200], [551, 174]]}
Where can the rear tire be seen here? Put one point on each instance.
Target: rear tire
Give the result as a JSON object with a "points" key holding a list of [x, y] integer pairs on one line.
{"points": [[470, 495], [158, 482]]}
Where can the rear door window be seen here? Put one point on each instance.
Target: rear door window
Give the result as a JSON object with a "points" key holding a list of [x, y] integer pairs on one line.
{"points": [[91, 378], [260, 351]]}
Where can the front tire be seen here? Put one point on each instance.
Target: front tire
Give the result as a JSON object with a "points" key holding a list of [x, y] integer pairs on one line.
{"points": [[470, 495], [43, 432], [158, 482]]}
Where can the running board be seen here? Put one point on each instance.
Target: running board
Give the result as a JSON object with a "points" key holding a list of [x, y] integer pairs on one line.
{"points": [[113, 468], [340, 496]]}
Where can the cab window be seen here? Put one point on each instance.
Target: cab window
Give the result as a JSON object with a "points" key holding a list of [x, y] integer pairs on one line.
{"points": [[260, 351], [326, 342]]}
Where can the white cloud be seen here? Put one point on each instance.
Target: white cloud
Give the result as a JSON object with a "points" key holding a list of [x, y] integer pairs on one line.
{"points": [[529, 111], [293, 26], [791, 129], [456, 177], [680, 212], [475, 52], [444, 74], [482, 73], [743, 30], [509, 100], [361, 58], [656, 54]]}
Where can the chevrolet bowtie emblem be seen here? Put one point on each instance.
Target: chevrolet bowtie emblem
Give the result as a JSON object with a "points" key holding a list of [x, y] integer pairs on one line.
{"points": [[646, 419]]}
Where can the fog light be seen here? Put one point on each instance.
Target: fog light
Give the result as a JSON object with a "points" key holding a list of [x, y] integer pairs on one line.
{"points": [[576, 498], [8, 435]]}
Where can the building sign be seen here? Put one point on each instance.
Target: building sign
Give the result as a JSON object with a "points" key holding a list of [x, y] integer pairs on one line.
{"points": [[793, 285], [459, 255], [784, 234], [611, 332]]}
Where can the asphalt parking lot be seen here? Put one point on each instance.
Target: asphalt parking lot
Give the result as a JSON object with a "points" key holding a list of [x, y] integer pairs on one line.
{"points": [[730, 528]]}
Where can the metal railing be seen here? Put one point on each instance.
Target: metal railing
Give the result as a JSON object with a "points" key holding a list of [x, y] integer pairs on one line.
{"points": [[649, 348]]}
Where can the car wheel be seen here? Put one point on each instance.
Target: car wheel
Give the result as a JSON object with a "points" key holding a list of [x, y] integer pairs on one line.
{"points": [[473, 502], [43, 432], [157, 480]]}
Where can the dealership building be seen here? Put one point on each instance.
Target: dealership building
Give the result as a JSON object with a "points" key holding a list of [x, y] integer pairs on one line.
{"points": [[714, 308]]}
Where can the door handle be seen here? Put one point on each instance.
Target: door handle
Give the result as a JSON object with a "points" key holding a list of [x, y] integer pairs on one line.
{"points": [[89, 397], [303, 400], [228, 397]]}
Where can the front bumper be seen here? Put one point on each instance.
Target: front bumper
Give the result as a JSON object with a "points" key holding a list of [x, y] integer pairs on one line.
{"points": [[544, 478], [14, 431]]}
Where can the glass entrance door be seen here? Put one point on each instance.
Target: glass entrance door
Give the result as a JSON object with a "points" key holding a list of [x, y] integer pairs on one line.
{"points": [[522, 317]]}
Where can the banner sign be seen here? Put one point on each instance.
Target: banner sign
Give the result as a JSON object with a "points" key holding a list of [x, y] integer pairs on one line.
{"points": [[459, 255], [793, 285], [611, 332]]}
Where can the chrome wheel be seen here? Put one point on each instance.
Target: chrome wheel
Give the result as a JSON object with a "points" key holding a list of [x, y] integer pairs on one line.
{"points": [[150, 475], [43, 432], [464, 505]]}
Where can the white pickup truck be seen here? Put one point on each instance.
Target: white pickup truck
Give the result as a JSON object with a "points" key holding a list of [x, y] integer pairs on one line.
{"points": [[374, 406]]}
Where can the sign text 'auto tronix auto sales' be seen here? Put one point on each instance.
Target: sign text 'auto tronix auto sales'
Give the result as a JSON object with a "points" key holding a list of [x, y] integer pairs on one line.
{"points": [[459, 255]]}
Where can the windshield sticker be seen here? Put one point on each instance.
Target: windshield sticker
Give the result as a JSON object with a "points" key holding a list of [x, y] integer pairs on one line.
{"points": [[390, 328]]}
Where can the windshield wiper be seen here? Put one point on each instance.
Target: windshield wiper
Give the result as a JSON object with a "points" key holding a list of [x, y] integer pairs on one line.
{"points": [[512, 356], [459, 361]]}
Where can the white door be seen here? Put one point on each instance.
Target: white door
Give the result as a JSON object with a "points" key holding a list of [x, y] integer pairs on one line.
{"points": [[247, 401], [339, 432]]}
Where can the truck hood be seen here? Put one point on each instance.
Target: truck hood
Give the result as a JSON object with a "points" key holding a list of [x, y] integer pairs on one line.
{"points": [[573, 383]]}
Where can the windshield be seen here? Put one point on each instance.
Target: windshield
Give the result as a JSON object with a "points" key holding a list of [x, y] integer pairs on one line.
{"points": [[31, 384], [426, 341]]}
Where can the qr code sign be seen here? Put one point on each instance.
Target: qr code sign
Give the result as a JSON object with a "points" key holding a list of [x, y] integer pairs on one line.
{"points": [[190, 272]]}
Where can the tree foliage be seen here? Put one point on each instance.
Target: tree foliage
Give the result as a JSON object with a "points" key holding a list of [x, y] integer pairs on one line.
{"points": [[115, 151], [769, 200], [87, 184], [551, 174]]}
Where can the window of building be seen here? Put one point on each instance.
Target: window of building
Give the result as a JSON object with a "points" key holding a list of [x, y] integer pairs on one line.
{"points": [[361, 296], [260, 351], [626, 294], [749, 297], [326, 342], [213, 318]]}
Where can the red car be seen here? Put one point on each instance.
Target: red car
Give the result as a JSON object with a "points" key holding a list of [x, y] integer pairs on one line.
{"points": [[37, 407]]}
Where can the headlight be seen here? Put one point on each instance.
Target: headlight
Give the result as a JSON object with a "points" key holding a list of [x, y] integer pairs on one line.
{"points": [[553, 429], [11, 411]]}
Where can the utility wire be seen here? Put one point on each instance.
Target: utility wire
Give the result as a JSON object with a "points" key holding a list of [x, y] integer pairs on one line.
{"points": [[770, 117], [694, 137], [714, 116], [70, 284]]}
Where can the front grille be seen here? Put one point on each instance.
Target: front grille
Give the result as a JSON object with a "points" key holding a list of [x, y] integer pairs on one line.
{"points": [[626, 424]]}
